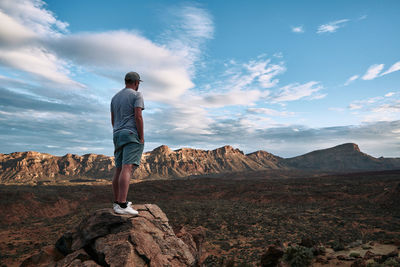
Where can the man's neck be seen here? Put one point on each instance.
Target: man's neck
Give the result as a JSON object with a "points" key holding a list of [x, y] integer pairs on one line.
{"points": [[131, 87]]}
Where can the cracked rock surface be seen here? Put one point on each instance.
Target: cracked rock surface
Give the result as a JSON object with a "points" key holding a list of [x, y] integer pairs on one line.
{"points": [[108, 239]]}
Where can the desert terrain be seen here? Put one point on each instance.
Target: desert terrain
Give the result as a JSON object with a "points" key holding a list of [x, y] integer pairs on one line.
{"points": [[243, 213]]}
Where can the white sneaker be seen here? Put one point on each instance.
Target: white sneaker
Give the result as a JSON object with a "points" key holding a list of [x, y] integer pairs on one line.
{"points": [[127, 210], [115, 204]]}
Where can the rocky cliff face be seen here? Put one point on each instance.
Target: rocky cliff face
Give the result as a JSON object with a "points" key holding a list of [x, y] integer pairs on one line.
{"points": [[161, 163], [108, 239], [267, 159], [165, 163], [31, 166]]}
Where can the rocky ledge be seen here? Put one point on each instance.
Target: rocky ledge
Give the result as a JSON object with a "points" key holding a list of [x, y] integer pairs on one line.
{"points": [[107, 239]]}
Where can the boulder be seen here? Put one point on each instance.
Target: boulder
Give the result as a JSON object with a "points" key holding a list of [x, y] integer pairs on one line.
{"points": [[107, 239]]}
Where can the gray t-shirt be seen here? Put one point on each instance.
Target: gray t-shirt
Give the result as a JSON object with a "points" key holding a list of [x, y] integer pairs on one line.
{"points": [[123, 106]]}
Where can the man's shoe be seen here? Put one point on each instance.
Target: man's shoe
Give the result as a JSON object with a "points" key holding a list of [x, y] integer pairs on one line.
{"points": [[128, 210], [129, 204]]}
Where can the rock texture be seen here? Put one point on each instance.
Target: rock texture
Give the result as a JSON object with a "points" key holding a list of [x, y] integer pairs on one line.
{"points": [[31, 166], [165, 163], [107, 239]]}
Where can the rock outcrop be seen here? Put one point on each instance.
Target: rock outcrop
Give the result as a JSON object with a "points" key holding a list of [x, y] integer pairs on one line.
{"points": [[108, 239], [31, 166]]}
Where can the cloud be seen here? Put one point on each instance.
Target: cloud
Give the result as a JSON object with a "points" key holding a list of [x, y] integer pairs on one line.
{"points": [[13, 33], [264, 72], [111, 53], [393, 68], [296, 91], [189, 27], [38, 62], [378, 108], [242, 84], [24, 25], [375, 138], [351, 79], [373, 72], [336, 109], [34, 16], [298, 29], [331, 26], [362, 17], [354, 106], [390, 94], [268, 111]]}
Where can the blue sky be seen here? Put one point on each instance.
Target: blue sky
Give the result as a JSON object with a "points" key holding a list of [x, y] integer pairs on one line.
{"points": [[287, 77]]}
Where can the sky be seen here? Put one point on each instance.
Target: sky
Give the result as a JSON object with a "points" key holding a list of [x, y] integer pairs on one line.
{"points": [[287, 77]]}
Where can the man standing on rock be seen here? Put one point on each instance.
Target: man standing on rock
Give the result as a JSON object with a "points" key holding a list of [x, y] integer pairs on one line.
{"points": [[127, 121]]}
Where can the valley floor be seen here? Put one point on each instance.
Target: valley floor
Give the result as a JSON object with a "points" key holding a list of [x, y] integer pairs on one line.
{"points": [[242, 215]]}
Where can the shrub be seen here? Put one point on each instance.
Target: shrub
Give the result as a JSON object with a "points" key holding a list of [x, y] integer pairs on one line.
{"points": [[337, 245], [354, 254], [298, 256]]}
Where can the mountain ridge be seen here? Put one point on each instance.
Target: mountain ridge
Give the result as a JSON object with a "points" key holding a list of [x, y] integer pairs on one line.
{"points": [[165, 163]]}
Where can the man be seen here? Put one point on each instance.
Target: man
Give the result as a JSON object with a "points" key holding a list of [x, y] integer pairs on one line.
{"points": [[126, 119]]}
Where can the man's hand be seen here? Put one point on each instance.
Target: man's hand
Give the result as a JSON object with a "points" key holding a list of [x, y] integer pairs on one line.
{"points": [[139, 123]]}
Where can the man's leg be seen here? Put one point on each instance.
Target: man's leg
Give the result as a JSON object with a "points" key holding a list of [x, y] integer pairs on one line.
{"points": [[115, 183], [123, 181]]}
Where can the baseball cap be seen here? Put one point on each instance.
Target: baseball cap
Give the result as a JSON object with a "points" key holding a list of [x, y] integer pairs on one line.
{"points": [[133, 76]]}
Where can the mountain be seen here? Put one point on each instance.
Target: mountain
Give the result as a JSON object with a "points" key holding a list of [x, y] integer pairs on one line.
{"points": [[165, 163], [344, 157], [160, 163], [31, 166], [267, 159]]}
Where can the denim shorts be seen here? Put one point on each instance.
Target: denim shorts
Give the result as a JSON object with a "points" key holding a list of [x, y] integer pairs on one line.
{"points": [[127, 148]]}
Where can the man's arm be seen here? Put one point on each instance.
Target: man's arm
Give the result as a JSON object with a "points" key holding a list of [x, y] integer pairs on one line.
{"points": [[139, 123], [112, 119]]}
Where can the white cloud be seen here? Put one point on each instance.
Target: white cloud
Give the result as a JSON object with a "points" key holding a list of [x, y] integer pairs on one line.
{"points": [[197, 22], [268, 111], [39, 62], [239, 97], [264, 72], [377, 108], [355, 106], [317, 96], [242, 84], [373, 72], [388, 108], [393, 68], [296, 91], [25, 24], [331, 26], [352, 78], [112, 53], [298, 29], [33, 15], [390, 94], [336, 109], [189, 28], [362, 17], [13, 33]]}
